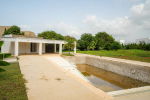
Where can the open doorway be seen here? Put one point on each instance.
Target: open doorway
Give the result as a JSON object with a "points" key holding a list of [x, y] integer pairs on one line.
{"points": [[49, 48]]}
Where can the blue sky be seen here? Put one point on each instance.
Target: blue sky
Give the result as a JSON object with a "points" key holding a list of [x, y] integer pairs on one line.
{"points": [[69, 17]]}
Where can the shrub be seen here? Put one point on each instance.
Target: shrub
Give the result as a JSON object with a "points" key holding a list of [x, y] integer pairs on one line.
{"points": [[4, 63], [147, 47], [4, 55], [115, 46], [107, 46]]}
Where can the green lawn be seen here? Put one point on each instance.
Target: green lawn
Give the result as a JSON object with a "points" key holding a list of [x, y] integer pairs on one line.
{"points": [[139, 55], [12, 83]]}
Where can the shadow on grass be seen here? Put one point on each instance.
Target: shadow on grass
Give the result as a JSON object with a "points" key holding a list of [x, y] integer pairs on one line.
{"points": [[2, 70]]}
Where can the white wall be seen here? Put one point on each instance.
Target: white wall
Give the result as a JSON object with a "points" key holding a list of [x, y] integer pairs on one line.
{"points": [[43, 47], [6, 47], [12, 48], [24, 47]]}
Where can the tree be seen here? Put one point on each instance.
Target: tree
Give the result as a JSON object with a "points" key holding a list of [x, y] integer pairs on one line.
{"points": [[142, 45], [107, 46], [85, 41], [115, 46], [70, 42], [51, 35], [92, 45], [2, 55], [13, 30], [102, 39], [131, 46], [81, 45]]}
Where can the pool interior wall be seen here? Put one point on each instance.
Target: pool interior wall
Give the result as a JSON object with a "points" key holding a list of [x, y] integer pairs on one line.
{"points": [[108, 81], [133, 69]]}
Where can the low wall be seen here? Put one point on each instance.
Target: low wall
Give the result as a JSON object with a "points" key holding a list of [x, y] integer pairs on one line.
{"points": [[133, 69]]}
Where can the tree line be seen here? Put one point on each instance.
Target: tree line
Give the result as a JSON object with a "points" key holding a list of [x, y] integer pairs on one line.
{"points": [[101, 41], [142, 46], [87, 41]]}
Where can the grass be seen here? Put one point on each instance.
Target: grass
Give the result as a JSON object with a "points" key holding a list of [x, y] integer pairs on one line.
{"points": [[139, 55], [12, 83]]}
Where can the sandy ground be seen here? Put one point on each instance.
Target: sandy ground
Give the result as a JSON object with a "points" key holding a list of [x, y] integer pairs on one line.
{"points": [[46, 80]]}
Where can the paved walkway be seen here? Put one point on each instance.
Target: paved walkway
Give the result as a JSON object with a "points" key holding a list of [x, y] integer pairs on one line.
{"points": [[47, 80]]}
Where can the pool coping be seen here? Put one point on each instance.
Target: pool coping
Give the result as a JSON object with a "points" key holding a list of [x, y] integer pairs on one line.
{"points": [[129, 91]]}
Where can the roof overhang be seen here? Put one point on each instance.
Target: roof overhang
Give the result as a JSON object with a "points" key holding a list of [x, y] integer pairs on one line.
{"points": [[33, 40]]}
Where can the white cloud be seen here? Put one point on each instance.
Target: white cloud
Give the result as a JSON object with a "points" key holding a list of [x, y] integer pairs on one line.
{"points": [[128, 28], [111, 26], [65, 29], [137, 9], [137, 25], [24, 27]]}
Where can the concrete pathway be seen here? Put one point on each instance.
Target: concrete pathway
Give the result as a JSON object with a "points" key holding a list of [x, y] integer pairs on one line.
{"points": [[47, 80]]}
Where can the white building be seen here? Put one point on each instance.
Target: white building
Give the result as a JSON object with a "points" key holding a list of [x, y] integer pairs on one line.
{"points": [[27, 45]]}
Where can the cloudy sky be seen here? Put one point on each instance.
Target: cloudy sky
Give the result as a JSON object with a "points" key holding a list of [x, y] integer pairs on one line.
{"points": [[124, 19]]}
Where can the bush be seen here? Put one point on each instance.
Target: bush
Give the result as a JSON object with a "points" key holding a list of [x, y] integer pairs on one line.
{"points": [[115, 46], [107, 46], [112, 46], [4, 55], [147, 47], [4, 63]]}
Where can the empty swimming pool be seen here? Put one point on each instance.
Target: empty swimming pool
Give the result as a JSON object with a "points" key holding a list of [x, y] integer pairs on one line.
{"points": [[108, 81]]}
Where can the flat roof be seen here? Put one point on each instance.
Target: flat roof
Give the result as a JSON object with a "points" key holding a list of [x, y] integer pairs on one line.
{"points": [[34, 40]]}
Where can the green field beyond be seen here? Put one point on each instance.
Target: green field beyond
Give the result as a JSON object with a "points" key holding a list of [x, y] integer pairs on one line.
{"points": [[139, 55], [12, 83]]}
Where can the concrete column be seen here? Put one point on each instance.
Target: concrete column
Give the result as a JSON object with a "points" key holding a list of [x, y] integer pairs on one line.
{"points": [[54, 48], [40, 48], [75, 47], [60, 48], [16, 48]]}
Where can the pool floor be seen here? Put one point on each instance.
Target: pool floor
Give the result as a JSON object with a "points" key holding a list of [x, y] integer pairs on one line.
{"points": [[108, 81]]}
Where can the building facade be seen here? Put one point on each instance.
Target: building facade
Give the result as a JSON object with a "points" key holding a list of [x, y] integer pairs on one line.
{"points": [[23, 45], [28, 43]]}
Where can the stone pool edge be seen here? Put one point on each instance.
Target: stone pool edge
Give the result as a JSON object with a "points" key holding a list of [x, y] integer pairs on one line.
{"points": [[133, 69]]}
